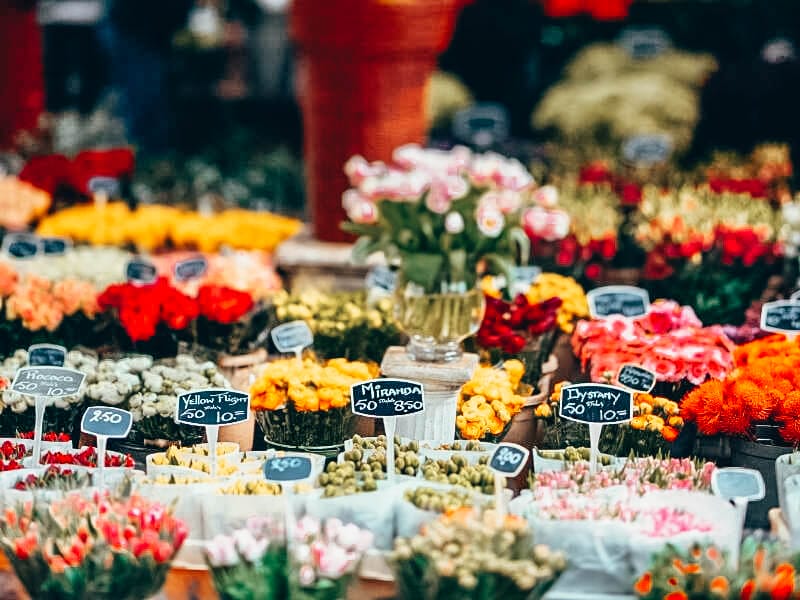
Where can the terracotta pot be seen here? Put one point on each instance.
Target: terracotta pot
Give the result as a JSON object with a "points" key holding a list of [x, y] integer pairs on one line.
{"points": [[239, 370], [187, 584], [362, 70]]}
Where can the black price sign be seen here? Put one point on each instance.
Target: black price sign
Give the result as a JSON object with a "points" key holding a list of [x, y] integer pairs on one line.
{"points": [[107, 421], [643, 43], [636, 378], [647, 150], [191, 268], [735, 482], [50, 382], [141, 272], [55, 246], [21, 245], [781, 316], [595, 403], [104, 185], [387, 398], [213, 407], [508, 459], [46, 355], [287, 468], [622, 300], [381, 278], [292, 337]]}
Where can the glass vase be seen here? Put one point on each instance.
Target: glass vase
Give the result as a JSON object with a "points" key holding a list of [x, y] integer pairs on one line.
{"points": [[437, 323]]}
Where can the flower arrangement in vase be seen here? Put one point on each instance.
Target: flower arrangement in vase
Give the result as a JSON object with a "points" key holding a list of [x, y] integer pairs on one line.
{"points": [[443, 217], [78, 548]]}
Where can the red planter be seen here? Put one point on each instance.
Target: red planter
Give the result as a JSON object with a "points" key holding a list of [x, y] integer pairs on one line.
{"points": [[363, 66]]}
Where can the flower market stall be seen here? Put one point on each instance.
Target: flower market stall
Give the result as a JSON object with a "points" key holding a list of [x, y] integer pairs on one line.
{"points": [[560, 363]]}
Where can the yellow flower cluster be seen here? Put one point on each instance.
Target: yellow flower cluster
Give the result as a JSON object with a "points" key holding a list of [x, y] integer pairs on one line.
{"points": [[489, 400], [173, 457], [310, 385], [332, 314], [21, 203], [154, 226], [654, 413], [573, 298]]}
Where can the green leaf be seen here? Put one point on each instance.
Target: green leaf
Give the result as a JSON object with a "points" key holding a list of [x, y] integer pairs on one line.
{"points": [[422, 269], [517, 235]]}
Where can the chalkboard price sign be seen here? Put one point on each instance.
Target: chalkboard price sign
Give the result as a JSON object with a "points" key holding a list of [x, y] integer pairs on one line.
{"points": [[46, 355], [596, 403], [21, 245], [387, 398], [624, 300], [140, 271], [292, 337], [735, 482], [381, 278], [107, 421], [50, 382], [104, 185], [213, 407], [55, 246], [781, 316], [647, 150], [636, 378], [287, 468], [508, 459], [191, 268]]}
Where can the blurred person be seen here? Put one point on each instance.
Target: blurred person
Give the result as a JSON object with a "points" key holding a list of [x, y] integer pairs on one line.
{"points": [[74, 65], [21, 79], [139, 37]]}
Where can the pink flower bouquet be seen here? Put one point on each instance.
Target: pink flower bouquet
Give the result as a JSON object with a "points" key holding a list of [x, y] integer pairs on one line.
{"points": [[670, 341]]}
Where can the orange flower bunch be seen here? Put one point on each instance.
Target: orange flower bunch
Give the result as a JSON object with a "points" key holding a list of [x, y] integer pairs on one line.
{"points": [[489, 400], [656, 414], [764, 387], [43, 304], [702, 572]]}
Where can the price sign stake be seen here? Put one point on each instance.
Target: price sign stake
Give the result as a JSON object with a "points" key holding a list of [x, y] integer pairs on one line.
{"points": [[740, 486], [105, 422], [45, 384], [508, 460], [139, 271], [624, 300], [636, 378], [285, 469], [294, 336], [595, 404], [102, 189], [190, 268], [782, 316], [387, 399], [212, 409], [46, 355]]}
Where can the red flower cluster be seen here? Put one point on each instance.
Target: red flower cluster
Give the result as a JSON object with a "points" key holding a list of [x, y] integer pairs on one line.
{"points": [[733, 244], [56, 170], [86, 458], [754, 187], [9, 450], [601, 10], [223, 304], [598, 172], [509, 325], [142, 307], [50, 436]]}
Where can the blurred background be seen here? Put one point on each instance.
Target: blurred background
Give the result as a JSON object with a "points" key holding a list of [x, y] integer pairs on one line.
{"points": [[215, 96]]}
